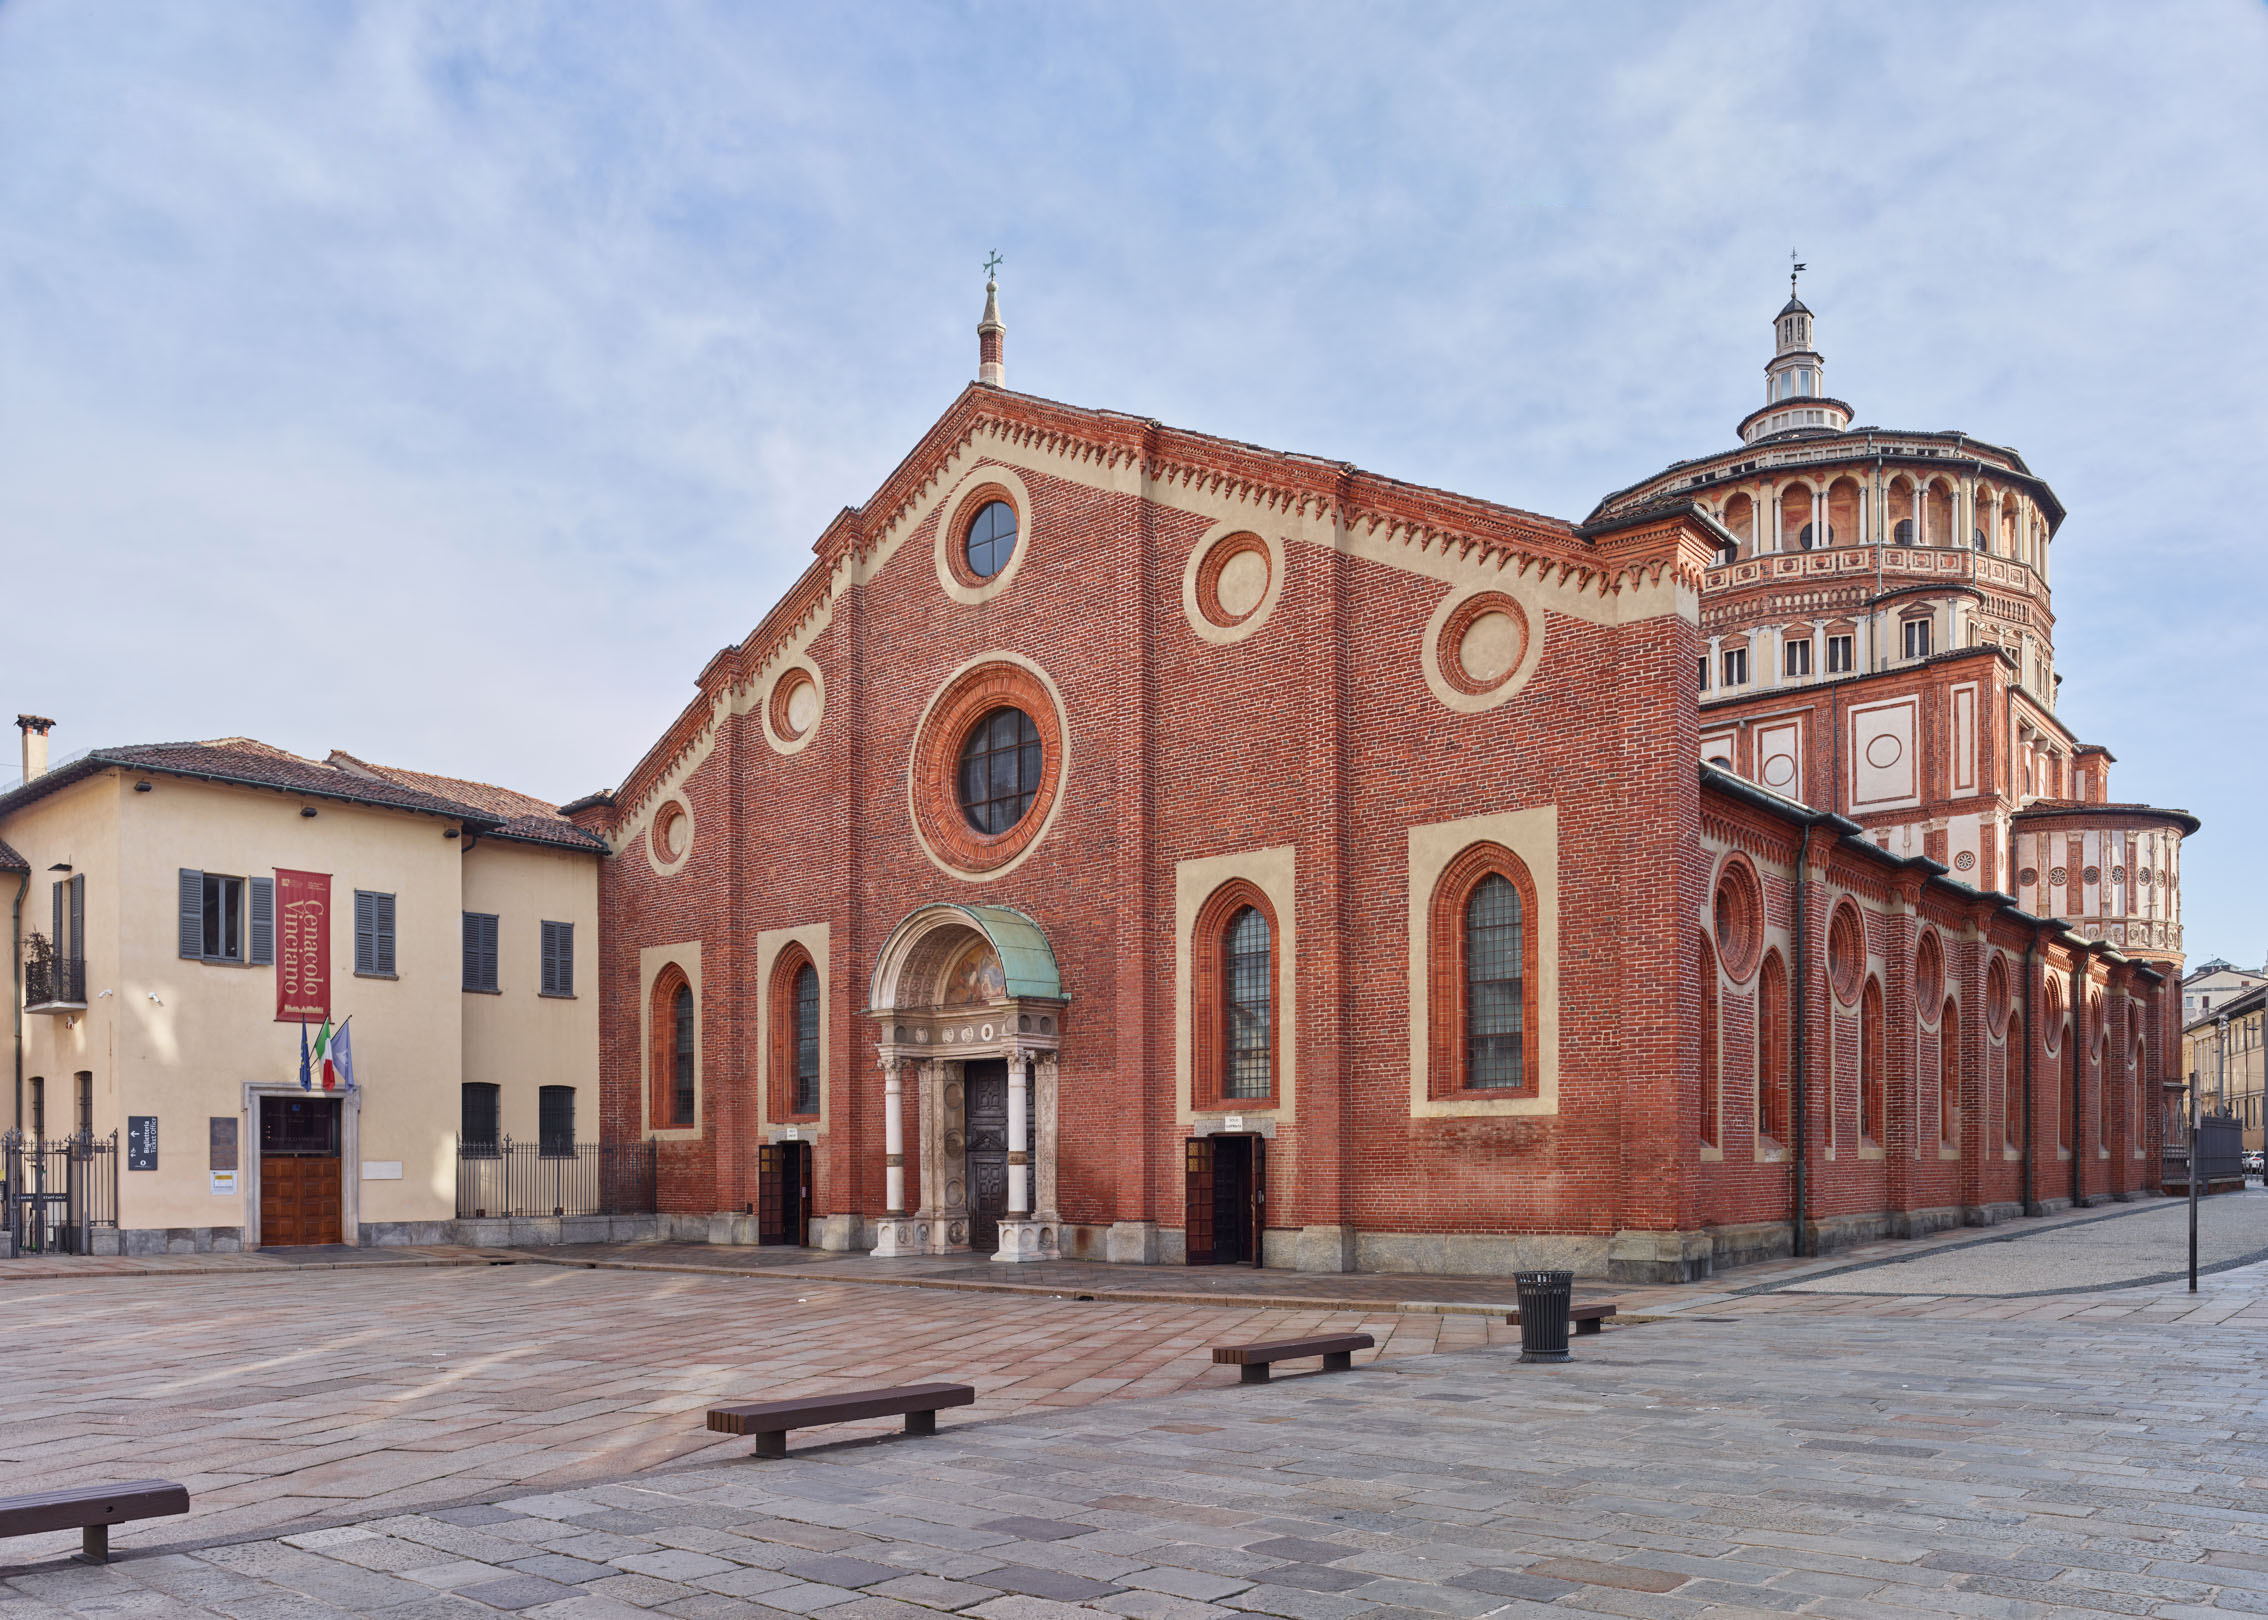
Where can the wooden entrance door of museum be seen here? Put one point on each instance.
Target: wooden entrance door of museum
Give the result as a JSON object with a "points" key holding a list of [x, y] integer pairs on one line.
{"points": [[783, 1193], [987, 1092], [301, 1192], [1226, 1182]]}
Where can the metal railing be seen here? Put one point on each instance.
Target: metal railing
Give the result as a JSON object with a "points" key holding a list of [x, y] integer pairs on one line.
{"points": [[508, 1178], [55, 981], [55, 1192]]}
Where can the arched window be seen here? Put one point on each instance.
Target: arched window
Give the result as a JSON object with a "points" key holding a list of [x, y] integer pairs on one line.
{"points": [[807, 1040], [1495, 992], [793, 1015], [1481, 983], [1248, 1031], [1772, 1049], [2012, 1087], [1712, 1037], [670, 1064], [1903, 532], [1871, 1131], [1949, 1075], [991, 539], [1234, 975]]}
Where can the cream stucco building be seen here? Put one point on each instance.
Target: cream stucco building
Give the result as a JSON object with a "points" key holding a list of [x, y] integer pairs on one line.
{"points": [[174, 905]]}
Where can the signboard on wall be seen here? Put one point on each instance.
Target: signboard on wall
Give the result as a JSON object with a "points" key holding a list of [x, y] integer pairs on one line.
{"points": [[141, 1141], [303, 947], [220, 1143]]}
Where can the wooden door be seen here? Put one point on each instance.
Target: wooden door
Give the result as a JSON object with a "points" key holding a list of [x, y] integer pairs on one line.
{"points": [[1258, 1223], [987, 1139], [1197, 1204], [771, 1193], [1232, 1199], [299, 1200], [803, 1161]]}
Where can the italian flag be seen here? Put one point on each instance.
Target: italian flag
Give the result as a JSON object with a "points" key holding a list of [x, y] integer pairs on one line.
{"points": [[323, 1056]]}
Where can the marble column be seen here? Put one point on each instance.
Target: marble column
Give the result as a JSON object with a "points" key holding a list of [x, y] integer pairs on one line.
{"points": [[1019, 1233], [894, 1233]]}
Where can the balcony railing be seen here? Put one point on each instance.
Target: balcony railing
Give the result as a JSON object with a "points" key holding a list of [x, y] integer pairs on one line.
{"points": [[55, 984], [508, 1178]]}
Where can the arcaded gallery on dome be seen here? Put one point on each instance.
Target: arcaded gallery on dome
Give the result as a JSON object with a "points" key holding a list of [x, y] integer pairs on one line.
{"points": [[1131, 845]]}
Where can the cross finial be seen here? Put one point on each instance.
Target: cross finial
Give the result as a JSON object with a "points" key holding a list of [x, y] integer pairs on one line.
{"points": [[992, 264], [1794, 269]]}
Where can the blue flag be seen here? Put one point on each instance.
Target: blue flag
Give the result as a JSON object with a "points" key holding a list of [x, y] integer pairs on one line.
{"points": [[342, 1056], [306, 1079]]}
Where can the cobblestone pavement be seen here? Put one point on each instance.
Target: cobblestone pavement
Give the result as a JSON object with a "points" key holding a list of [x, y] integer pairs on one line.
{"points": [[282, 1397], [1857, 1467], [2147, 1242]]}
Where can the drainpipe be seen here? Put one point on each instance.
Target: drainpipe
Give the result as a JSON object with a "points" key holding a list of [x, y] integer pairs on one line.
{"points": [[16, 990], [2031, 1043], [1796, 1015], [2078, 1066]]}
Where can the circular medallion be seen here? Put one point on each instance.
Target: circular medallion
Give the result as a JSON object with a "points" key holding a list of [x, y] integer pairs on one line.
{"points": [[1233, 579], [2029, 876], [1779, 771], [1482, 642], [952, 1192], [669, 836], [2092, 874], [2118, 874], [2058, 876], [2144, 875], [1964, 861], [794, 706], [953, 1095], [1737, 914], [1884, 751]]}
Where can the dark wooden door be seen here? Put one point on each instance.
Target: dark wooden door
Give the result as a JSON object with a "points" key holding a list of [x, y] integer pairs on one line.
{"points": [[783, 1193], [1197, 1200], [987, 1138]]}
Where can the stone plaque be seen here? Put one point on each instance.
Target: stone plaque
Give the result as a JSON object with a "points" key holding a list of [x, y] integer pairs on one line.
{"points": [[222, 1151]]}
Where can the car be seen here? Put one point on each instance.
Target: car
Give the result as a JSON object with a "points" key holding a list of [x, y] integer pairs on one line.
{"points": [[2252, 1161]]}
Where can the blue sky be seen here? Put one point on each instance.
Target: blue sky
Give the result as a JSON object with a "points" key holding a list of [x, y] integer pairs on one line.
{"points": [[446, 383]]}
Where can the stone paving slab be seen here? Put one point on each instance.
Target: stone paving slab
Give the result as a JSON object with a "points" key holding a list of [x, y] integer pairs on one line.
{"points": [[427, 1386], [1854, 1467]]}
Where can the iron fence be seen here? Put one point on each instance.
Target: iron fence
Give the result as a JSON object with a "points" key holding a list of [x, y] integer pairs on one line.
{"points": [[536, 1178], [55, 1193]]}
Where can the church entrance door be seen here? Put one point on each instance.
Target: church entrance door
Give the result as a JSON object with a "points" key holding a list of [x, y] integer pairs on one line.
{"points": [[1227, 1194], [783, 1193], [987, 1083]]}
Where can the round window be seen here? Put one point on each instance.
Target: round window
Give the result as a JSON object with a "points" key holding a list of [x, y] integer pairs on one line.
{"points": [[991, 539], [1000, 766]]}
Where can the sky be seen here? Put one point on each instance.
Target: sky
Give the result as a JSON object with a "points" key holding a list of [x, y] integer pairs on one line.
{"points": [[446, 383]]}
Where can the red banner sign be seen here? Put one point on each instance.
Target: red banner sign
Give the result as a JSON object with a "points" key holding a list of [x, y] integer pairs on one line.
{"points": [[303, 947]]}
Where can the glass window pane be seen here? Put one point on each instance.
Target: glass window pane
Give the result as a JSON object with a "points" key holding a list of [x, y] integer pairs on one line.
{"points": [[1249, 998], [1495, 1018]]}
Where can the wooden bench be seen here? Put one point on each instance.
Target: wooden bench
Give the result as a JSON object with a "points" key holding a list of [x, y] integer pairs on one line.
{"points": [[91, 1510], [1336, 1349], [769, 1421], [1585, 1317]]}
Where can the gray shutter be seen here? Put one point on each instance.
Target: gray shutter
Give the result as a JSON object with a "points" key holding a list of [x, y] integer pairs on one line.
{"points": [[383, 931], [488, 953], [547, 979], [192, 913], [79, 920], [262, 912], [56, 892], [566, 952], [472, 951], [365, 931]]}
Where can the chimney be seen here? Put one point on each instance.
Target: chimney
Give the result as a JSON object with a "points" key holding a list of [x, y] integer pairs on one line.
{"points": [[992, 341], [35, 728]]}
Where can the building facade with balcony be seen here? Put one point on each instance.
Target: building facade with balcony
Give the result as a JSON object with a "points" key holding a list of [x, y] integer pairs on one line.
{"points": [[189, 913]]}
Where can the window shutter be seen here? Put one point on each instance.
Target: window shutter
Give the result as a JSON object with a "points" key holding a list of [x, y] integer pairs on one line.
{"points": [[365, 931], [558, 959], [56, 892], [566, 959], [263, 915], [488, 953], [472, 951], [382, 932], [549, 950], [192, 913], [79, 918]]}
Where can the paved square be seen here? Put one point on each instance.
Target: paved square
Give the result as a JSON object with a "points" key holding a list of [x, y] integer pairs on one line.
{"points": [[1764, 1464]]}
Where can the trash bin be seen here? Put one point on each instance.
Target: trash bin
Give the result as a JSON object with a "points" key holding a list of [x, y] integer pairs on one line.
{"points": [[1545, 1298]]}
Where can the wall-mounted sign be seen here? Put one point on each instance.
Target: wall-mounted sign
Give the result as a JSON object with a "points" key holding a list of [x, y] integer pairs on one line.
{"points": [[141, 1141], [1234, 1123], [303, 947], [381, 1169], [224, 1183], [790, 1135], [221, 1144]]}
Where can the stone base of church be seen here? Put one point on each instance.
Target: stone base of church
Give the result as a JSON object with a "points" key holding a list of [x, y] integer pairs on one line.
{"points": [[1635, 1256], [1320, 1248], [1131, 1243], [893, 1236], [1022, 1241]]}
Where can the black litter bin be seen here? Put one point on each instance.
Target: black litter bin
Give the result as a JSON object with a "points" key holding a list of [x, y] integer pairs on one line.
{"points": [[1545, 1299]]}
